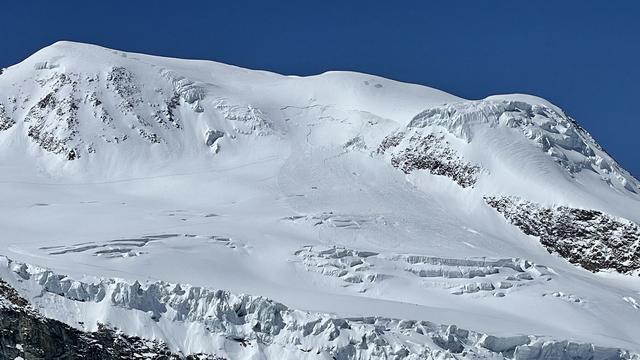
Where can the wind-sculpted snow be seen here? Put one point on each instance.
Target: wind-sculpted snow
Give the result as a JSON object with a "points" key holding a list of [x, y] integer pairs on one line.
{"points": [[589, 238], [246, 119], [262, 325], [187, 89], [431, 152], [361, 269], [553, 132]]}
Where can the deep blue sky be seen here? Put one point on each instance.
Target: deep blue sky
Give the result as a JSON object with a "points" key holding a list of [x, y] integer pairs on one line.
{"points": [[582, 55]]}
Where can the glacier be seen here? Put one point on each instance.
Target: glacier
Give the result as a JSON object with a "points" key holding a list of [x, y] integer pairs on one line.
{"points": [[201, 209]]}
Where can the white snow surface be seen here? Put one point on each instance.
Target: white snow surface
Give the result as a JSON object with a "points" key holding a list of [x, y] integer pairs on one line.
{"points": [[271, 185]]}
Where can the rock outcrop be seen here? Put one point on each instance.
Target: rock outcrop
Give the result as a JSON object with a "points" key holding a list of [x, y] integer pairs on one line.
{"points": [[589, 238]]}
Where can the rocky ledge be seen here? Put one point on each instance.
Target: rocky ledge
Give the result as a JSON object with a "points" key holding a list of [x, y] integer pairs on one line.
{"points": [[430, 152], [26, 334], [589, 238]]}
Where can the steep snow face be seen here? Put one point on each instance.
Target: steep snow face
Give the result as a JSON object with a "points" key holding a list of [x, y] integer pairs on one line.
{"points": [[113, 111], [76, 101], [342, 193], [554, 133]]}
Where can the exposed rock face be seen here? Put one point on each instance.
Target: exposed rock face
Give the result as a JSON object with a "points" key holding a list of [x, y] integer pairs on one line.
{"points": [[121, 81], [24, 333], [70, 112], [428, 152], [5, 121], [211, 137], [53, 121], [74, 114], [589, 238], [167, 116]]}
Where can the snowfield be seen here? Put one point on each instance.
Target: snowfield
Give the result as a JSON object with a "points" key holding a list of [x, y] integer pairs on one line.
{"points": [[362, 217]]}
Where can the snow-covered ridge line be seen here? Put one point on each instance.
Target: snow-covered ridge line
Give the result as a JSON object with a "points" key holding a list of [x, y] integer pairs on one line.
{"points": [[556, 134], [76, 113], [589, 238], [318, 192], [265, 326], [73, 113]]}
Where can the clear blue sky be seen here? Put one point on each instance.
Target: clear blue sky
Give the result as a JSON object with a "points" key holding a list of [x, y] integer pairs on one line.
{"points": [[582, 55]]}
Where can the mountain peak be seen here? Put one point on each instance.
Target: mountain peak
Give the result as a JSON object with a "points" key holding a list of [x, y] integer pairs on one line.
{"points": [[343, 193], [88, 104]]}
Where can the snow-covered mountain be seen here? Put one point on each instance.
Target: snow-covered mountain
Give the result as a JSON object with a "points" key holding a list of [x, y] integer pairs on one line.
{"points": [[244, 214]]}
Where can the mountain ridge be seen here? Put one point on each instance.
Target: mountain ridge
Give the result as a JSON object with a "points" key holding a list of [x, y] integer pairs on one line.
{"points": [[341, 193]]}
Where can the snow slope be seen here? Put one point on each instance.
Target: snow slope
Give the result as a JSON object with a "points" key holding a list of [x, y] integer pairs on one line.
{"points": [[341, 193]]}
